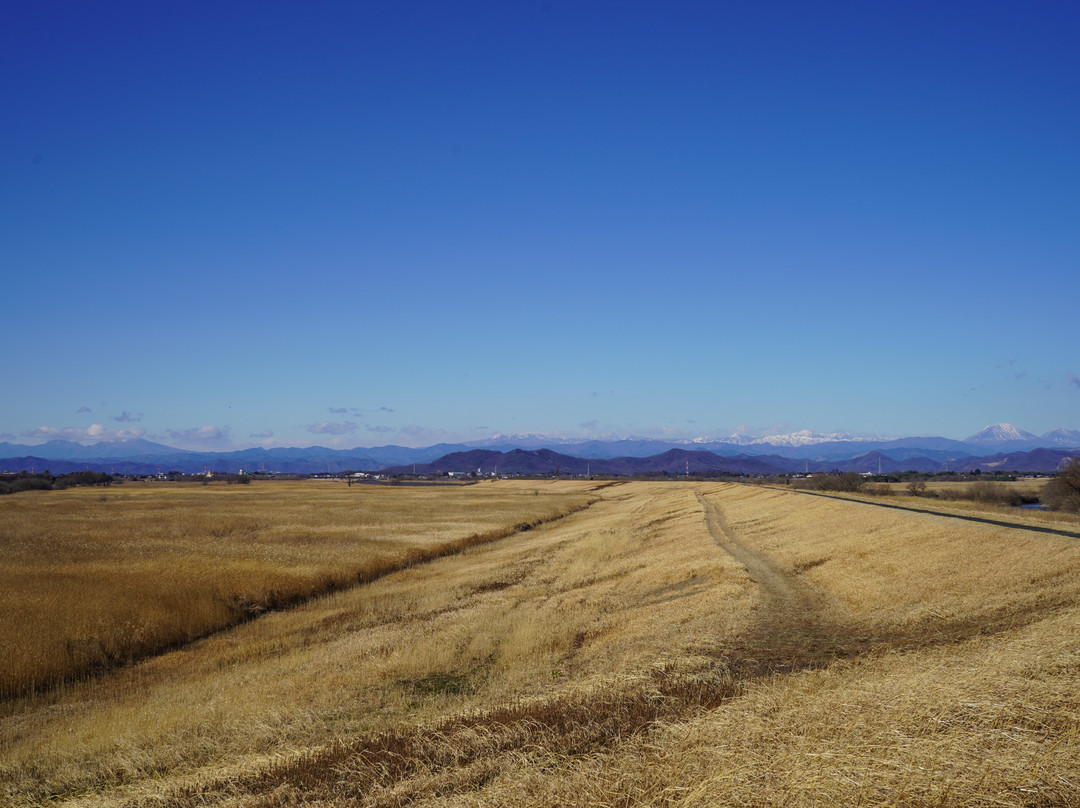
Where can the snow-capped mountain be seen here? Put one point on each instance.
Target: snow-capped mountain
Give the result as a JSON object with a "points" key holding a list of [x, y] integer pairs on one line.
{"points": [[803, 437], [1000, 433], [1063, 437]]}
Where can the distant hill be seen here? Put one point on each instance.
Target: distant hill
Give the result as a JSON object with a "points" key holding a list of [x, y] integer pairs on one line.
{"points": [[879, 462], [151, 458], [545, 461], [37, 465], [682, 461], [1037, 460], [676, 462], [70, 450]]}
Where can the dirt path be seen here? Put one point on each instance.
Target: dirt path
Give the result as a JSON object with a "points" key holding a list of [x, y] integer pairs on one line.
{"points": [[790, 631], [794, 629]]}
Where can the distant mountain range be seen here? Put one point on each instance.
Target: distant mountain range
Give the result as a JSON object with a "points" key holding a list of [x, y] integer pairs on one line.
{"points": [[545, 461], [682, 461], [998, 446]]}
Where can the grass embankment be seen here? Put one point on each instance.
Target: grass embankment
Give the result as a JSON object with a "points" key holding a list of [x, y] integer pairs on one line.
{"points": [[90, 579], [675, 644]]}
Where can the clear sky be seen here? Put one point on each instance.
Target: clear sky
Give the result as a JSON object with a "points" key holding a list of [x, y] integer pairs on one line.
{"points": [[360, 223]]}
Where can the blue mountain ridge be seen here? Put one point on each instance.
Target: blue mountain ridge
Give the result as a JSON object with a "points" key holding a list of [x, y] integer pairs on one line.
{"points": [[926, 453], [674, 461]]}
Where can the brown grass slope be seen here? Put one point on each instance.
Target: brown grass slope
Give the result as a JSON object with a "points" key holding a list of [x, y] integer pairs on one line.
{"points": [[676, 644]]}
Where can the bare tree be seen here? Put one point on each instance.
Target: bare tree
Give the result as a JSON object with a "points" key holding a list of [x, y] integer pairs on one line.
{"points": [[916, 486], [1063, 492]]}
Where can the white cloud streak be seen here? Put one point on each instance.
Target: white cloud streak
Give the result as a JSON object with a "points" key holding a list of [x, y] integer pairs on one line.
{"points": [[94, 432], [332, 428]]}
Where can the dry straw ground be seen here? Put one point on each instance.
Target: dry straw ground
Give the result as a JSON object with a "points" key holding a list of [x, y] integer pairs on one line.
{"points": [[673, 644]]}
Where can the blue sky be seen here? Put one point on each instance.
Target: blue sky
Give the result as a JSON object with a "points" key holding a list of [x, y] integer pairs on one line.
{"points": [[353, 224]]}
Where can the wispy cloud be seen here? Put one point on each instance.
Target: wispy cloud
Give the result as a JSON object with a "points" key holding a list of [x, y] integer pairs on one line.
{"points": [[1074, 380], [338, 410], [207, 436], [381, 430], [6, 436], [416, 435], [127, 418], [332, 428], [94, 432], [266, 433], [84, 409], [385, 409]]}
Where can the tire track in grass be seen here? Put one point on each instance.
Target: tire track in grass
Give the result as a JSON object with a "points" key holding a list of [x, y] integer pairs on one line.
{"points": [[790, 632]]}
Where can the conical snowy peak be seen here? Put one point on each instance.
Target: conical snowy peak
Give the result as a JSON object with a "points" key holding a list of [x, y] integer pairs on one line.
{"points": [[996, 433]]}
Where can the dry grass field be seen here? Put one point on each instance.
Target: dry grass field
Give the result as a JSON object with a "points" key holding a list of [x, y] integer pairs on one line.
{"points": [[90, 579], [674, 644]]}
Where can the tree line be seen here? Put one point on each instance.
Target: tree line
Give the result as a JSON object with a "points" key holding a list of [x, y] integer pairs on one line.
{"points": [[44, 481]]}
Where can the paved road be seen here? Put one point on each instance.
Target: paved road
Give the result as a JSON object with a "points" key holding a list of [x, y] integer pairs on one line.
{"points": [[1069, 534]]}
